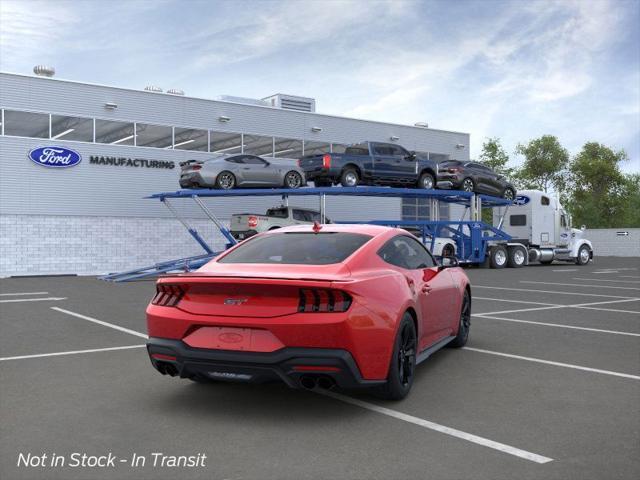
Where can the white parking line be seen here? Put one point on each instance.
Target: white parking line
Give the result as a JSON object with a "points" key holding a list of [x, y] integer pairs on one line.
{"points": [[559, 325], [581, 285], [629, 276], [553, 291], [604, 280], [567, 270], [588, 306], [514, 301], [557, 364], [100, 322], [485, 442], [22, 293], [47, 299], [72, 352]]}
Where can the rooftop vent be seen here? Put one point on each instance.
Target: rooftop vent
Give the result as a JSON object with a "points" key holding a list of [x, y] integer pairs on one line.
{"points": [[421, 124], [291, 102], [44, 71], [175, 91], [244, 100], [153, 88]]}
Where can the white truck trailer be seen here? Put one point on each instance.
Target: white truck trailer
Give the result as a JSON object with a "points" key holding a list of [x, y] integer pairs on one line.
{"points": [[541, 232]]}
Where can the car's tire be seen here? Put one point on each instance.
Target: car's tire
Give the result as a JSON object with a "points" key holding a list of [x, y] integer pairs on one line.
{"points": [[498, 257], [517, 257], [225, 180], [349, 177], [465, 323], [509, 194], [468, 185], [293, 180], [403, 362], [427, 181], [584, 255]]}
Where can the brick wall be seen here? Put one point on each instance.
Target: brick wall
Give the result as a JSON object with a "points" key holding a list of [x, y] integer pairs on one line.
{"points": [[43, 245], [607, 242]]}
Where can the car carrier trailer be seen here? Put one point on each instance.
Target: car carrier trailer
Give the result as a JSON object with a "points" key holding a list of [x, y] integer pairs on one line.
{"points": [[473, 241]]}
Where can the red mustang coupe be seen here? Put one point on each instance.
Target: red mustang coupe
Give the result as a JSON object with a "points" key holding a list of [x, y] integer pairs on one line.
{"points": [[347, 305]]}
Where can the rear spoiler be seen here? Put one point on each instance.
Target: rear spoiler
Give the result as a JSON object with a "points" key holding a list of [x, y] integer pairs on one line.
{"points": [[189, 162]]}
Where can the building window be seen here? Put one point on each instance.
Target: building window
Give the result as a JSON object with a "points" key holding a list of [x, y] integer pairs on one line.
{"points": [[287, 148], [115, 133], [26, 124], [191, 139], [258, 145], [156, 136], [316, 148], [71, 128], [226, 143]]}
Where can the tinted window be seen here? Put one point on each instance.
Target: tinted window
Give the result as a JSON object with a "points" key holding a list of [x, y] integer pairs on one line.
{"points": [[297, 248], [238, 159], [383, 150], [278, 212], [406, 252], [301, 216], [26, 124], [518, 220], [450, 163], [71, 128], [544, 200], [115, 133], [252, 160], [398, 151], [358, 149]]}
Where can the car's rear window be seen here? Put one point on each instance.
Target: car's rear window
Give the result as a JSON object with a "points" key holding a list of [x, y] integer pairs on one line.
{"points": [[297, 248], [450, 163], [278, 212]]}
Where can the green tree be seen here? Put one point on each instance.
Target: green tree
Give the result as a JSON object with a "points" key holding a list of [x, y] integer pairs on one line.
{"points": [[544, 165], [494, 156], [599, 194]]}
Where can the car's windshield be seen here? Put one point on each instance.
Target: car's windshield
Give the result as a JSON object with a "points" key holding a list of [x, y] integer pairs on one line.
{"points": [[298, 248]]}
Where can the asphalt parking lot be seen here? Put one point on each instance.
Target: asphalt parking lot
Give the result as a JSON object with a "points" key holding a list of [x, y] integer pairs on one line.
{"points": [[547, 387]]}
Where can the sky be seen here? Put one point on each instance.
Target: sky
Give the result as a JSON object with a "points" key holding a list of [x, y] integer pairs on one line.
{"points": [[514, 69]]}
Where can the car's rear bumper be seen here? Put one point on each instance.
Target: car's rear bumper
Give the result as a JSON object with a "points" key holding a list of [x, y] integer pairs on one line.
{"points": [[321, 173], [193, 179], [243, 234], [290, 364]]}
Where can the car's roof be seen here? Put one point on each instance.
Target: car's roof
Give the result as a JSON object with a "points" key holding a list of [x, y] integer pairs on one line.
{"points": [[373, 230]]}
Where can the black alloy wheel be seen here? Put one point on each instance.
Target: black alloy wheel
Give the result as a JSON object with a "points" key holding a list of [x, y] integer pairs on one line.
{"points": [[465, 323], [508, 194], [468, 185], [226, 180], [293, 179]]}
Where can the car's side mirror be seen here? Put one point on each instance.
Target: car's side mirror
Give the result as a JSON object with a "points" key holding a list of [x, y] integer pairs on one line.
{"points": [[448, 262], [411, 155]]}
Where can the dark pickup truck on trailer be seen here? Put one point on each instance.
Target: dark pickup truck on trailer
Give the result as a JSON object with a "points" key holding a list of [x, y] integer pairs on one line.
{"points": [[371, 163]]}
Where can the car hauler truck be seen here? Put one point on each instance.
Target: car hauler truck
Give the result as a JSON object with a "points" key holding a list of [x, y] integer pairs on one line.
{"points": [[540, 231]]}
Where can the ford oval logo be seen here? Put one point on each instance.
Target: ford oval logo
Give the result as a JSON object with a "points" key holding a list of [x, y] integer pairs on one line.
{"points": [[55, 157], [521, 200], [230, 337]]}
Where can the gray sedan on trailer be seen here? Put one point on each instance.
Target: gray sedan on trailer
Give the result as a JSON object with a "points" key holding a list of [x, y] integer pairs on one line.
{"points": [[232, 171]]}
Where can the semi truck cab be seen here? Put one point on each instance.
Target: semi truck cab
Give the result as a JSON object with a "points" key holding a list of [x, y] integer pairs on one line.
{"points": [[538, 222]]}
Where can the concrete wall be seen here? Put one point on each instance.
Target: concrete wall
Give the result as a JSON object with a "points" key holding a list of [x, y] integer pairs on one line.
{"points": [[607, 242]]}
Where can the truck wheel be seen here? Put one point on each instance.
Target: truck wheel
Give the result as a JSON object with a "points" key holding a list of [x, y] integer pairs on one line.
{"points": [[349, 178], [225, 180], [498, 258], [426, 181], [468, 185], [584, 255], [517, 257]]}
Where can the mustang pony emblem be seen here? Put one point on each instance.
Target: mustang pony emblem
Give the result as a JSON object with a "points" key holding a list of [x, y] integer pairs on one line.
{"points": [[235, 301]]}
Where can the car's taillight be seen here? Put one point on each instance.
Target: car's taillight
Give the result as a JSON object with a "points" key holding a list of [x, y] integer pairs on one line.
{"points": [[253, 222], [196, 167], [326, 161], [167, 295], [453, 170], [299, 162], [323, 300]]}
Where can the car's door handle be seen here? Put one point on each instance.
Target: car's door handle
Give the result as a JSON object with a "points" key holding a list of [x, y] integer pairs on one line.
{"points": [[426, 288], [246, 168]]}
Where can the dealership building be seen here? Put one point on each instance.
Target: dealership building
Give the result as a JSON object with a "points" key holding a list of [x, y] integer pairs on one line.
{"points": [[93, 217]]}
